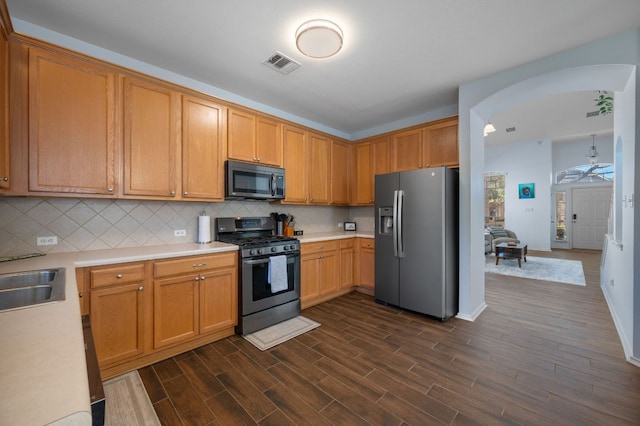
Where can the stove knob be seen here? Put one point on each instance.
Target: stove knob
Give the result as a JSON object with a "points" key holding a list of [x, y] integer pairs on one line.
{"points": [[285, 248], [252, 252], [260, 251], [274, 249]]}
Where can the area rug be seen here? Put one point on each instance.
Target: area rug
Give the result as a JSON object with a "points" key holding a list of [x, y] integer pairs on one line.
{"points": [[539, 268], [281, 332], [127, 402]]}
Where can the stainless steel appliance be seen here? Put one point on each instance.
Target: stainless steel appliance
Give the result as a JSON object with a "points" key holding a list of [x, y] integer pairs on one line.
{"points": [[416, 232], [253, 181], [263, 258], [96, 391]]}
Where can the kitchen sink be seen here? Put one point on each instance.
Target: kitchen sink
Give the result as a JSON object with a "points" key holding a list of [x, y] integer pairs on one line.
{"points": [[31, 288]]}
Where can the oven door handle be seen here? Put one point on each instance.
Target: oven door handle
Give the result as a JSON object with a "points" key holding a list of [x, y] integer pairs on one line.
{"points": [[255, 262], [273, 184]]}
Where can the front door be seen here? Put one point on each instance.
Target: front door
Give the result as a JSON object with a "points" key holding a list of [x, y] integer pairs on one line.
{"points": [[590, 216]]}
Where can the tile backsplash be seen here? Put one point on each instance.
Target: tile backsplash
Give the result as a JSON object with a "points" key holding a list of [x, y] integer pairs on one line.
{"points": [[92, 224]]}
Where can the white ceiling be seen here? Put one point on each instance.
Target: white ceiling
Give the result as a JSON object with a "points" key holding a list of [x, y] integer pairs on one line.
{"points": [[400, 58]]}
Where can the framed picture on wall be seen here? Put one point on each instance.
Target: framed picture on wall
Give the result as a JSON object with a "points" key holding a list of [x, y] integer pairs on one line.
{"points": [[527, 190]]}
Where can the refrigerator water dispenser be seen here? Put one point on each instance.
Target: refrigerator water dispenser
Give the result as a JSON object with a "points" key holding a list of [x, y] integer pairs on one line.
{"points": [[385, 218]]}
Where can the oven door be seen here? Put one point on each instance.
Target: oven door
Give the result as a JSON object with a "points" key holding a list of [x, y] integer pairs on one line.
{"points": [[255, 290]]}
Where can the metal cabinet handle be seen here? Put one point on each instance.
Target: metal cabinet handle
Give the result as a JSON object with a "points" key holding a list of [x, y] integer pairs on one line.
{"points": [[172, 193], [202, 278], [6, 179], [110, 189], [185, 193], [140, 288], [80, 294], [197, 278], [119, 276]]}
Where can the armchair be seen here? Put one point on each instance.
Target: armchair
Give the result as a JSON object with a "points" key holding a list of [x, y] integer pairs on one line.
{"points": [[501, 235]]}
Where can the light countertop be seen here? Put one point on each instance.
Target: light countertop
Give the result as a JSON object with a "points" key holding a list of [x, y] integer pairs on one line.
{"points": [[43, 375], [338, 235]]}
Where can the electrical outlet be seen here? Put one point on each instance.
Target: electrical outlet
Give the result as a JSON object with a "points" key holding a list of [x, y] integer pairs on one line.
{"points": [[47, 241], [180, 233], [340, 224]]}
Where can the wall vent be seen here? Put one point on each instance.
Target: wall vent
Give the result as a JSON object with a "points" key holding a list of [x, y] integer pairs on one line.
{"points": [[510, 129], [281, 63], [593, 114]]}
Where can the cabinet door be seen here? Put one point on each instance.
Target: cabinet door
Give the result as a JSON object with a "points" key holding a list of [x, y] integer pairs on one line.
{"points": [[364, 174], [346, 263], [117, 322], [241, 140], [218, 300], [175, 310], [72, 129], [151, 126], [319, 162], [202, 149], [367, 267], [309, 276], [4, 113], [329, 272], [340, 160], [406, 150], [441, 145], [295, 164], [380, 156], [269, 141]]}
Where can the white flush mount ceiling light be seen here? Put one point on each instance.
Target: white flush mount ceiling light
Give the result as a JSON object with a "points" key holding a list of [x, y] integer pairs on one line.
{"points": [[319, 38]]}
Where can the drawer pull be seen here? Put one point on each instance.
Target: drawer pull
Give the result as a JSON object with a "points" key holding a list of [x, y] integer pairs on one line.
{"points": [[202, 278], [197, 278], [80, 294], [140, 288], [119, 276]]}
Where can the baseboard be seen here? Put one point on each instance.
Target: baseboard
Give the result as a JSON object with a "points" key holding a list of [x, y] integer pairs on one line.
{"points": [[474, 315], [626, 344]]}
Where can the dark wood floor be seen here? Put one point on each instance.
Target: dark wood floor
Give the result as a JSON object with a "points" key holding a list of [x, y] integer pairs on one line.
{"points": [[541, 353]]}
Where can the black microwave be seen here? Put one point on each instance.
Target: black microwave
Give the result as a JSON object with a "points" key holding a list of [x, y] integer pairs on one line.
{"points": [[253, 181]]}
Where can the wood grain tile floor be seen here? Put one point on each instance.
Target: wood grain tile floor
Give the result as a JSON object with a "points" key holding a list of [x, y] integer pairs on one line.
{"points": [[541, 353]]}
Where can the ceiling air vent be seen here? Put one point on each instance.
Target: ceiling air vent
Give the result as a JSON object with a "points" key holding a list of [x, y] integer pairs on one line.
{"points": [[593, 114], [510, 129], [281, 63]]}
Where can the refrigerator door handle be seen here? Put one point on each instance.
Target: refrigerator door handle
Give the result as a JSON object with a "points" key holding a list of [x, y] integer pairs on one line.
{"points": [[399, 223], [394, 231]]}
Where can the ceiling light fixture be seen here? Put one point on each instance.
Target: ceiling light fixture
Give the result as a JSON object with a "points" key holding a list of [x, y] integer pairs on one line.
{"points": [[489, 129], [319, 38], [592, 155]]}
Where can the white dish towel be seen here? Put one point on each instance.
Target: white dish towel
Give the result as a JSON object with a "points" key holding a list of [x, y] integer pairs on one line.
{"points": [[278, 273]]}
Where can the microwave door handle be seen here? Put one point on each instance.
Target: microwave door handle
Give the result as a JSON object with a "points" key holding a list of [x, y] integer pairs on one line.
{"points": [[273, 184]]}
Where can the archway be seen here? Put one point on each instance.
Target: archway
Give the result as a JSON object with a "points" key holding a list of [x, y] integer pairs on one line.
{"points": [[474, 113]]}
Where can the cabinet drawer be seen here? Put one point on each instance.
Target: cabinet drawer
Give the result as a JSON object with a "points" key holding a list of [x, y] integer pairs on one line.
{"points": [[188, 265], [117, 274], [367, 243], [346, 244], [319, 247]]}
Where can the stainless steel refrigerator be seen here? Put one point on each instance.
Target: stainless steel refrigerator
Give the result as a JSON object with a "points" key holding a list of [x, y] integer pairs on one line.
{"points": [[416, 251]]}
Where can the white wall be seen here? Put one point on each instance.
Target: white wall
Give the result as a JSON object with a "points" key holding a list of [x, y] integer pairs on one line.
{"points": [[573, 153], [525, 162], [607, 64]]}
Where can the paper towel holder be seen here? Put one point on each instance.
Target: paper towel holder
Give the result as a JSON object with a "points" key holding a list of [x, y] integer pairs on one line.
{"points": [[204, 228]]}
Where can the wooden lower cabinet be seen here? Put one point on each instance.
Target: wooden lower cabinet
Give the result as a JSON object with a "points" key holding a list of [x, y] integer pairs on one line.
{"points": [[332, 268], [118, 302], [367, 260], [198, 295], [347, 254], [144, 312]]}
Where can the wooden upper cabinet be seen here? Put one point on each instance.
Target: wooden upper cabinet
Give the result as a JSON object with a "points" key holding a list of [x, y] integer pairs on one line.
{"points": [[72, 126], [295, 164], [441, 144], [340, 172], [4, 113], [319, 162], [254, 138], [372, 158], [151, 139], [269, 141], [202, 149], [406, 150]]}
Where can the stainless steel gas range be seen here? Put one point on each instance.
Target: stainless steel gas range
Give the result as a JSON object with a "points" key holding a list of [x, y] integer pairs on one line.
{"points": [[269, 276]]}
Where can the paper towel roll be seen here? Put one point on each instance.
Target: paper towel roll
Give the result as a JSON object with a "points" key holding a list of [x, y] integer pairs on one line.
{"points": [[204, 229]]}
